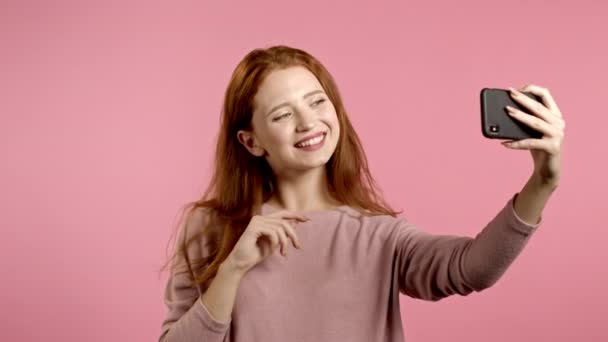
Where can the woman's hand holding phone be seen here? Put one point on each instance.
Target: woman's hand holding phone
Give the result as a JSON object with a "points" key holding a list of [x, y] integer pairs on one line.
{"points": [[532, 121]]}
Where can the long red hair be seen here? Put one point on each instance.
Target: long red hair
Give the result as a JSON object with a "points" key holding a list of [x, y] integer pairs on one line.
{"points": [[241, 182]]}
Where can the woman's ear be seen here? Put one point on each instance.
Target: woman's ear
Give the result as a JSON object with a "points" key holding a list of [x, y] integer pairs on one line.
{"points": [[249, 140]]}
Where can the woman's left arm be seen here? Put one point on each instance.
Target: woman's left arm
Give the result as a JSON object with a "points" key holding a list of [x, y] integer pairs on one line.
{"points": [[546, 151]]}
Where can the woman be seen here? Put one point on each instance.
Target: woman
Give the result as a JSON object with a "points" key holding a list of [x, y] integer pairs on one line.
{"points": [[290, 171]]}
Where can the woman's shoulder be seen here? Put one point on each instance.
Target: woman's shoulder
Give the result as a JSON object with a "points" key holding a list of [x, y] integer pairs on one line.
{"points": [[197, 219], [200, 229]]}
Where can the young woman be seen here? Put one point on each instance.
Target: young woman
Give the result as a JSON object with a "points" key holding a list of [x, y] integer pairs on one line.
{"points": [[290, 172]]}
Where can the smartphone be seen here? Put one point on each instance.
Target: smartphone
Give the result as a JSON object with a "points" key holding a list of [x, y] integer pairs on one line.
{"points": [[496, 123]]}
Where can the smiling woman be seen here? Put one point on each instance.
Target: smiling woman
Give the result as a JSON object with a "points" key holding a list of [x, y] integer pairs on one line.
{"points": [[290, 171], [304, 119]]}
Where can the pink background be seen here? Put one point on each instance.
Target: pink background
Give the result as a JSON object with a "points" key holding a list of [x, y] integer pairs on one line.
{"points": [[110, 111]]}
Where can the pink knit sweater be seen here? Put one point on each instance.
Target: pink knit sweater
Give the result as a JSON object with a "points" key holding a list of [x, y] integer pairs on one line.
{"points": [[344, 284]]}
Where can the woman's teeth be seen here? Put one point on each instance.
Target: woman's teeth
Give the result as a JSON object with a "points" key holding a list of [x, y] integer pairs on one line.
{"points": [[312, 141]]}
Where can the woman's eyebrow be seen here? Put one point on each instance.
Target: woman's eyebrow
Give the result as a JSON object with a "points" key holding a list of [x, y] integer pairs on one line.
{"points": [[310, 93]]}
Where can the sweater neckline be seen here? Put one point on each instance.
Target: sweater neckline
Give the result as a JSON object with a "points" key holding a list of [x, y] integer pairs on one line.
{"points": [[269, 208]]}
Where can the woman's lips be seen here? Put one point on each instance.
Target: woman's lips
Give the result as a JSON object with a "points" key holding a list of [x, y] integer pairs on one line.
{"points": [[315, 145]]}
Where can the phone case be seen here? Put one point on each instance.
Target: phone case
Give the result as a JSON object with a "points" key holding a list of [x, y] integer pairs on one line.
{"points": [[496, 123]]}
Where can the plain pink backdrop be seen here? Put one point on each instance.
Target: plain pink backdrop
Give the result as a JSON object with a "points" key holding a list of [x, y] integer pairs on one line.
{"points": [[110, 111]]}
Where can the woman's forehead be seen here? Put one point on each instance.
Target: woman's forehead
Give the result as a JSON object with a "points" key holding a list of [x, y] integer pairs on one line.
{"points": [[285, 85]]}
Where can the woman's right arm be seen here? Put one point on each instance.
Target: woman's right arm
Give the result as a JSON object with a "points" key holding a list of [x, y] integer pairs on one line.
{"points": [[200, 318], [188, 318], [206, 317], [219, 297]]}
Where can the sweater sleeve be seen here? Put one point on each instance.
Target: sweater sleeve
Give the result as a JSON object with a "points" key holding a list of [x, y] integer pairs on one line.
{"points": [[187, 318], [432, 267]]}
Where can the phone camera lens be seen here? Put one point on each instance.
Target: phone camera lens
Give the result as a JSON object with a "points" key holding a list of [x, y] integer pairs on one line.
{"points": [[494, 128]]}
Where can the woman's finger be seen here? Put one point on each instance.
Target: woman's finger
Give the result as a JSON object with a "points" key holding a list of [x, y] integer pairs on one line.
{"points": [[532, 144], [282, 237], [290, 231], [286, 214], [545, 96], [270, 234], [531, 121], [536, 108]]}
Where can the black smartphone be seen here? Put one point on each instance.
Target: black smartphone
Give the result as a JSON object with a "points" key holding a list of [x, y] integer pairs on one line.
{"points": [[496, 123]]}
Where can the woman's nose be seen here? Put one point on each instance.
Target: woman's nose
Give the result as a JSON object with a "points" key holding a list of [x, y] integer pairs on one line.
{"points": [[305, 121], [306, 126]]}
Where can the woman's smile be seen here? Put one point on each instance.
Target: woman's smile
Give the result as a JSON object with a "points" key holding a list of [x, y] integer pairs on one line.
{"points": [[313, 143]]}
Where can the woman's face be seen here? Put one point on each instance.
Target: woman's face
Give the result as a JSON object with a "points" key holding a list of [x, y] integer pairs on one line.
{"points": [[289, 108]]}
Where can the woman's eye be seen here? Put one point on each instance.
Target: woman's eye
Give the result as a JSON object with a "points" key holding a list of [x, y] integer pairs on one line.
{"points": [[281, 116], [318, 102]]}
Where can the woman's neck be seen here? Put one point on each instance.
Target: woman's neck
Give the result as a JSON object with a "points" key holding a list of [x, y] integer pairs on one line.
{"points": [[305, 193]]}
